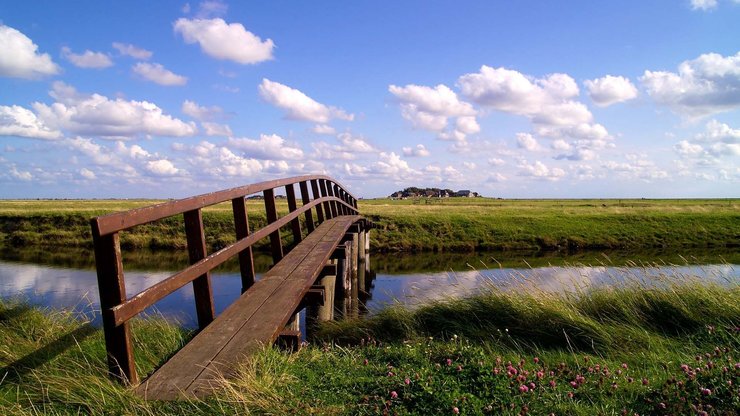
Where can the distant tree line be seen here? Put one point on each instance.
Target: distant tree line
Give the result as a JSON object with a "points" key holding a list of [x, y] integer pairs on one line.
{"points": [[415, 192]]}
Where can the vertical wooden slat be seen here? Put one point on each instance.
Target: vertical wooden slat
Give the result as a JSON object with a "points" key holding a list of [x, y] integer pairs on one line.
{"points": [[295, 224], [327, 205], [197, 251], [306, 199], [317, 195], [332, 204], [112, 290], [338, 194], [275, 243], [246, 258]]}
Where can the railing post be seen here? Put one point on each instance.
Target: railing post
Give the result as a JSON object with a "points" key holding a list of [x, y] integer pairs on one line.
{"points": [[197, 251], [317, 195], [120, 353], [275, 243], [327, 205], [246, 258], [295, 224], [332, 204], [338, 194], [305, 199]]}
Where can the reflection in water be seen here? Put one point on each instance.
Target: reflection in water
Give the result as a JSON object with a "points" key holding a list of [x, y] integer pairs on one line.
{"points": [[63, 280]]}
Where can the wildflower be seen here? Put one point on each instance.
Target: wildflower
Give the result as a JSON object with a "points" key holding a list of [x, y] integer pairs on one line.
{"points": [[407, 381], [570, 394], [705, 392], [624, 365], [449, 361], [685, 368], [459, 368], [630, 379], [365, 362], [574, 384], [644, 382], [390, 374], [394, 395], [662, 405], [552, 383], [455, 410], [523, 388], [614, 386], [532, 386], [540, 374]]}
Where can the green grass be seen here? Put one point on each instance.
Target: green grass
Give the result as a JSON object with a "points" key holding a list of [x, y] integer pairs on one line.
{"points": [[599, 352], [454, 224]]}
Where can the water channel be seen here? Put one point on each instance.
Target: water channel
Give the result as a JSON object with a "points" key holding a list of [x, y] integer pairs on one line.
{"points": [[66, 279]]}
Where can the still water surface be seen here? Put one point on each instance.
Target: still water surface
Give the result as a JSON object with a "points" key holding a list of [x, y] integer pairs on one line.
{"points": [[67, 279]]}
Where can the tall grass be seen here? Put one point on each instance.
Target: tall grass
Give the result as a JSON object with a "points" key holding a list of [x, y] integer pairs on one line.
{"points": [[666, 348]]}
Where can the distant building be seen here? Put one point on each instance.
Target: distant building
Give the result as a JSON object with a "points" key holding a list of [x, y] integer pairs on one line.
{"points": [[464, 193]]}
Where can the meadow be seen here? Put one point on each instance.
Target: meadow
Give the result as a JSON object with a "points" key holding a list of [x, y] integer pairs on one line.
{"points": [[451, 224], [667, 349]]}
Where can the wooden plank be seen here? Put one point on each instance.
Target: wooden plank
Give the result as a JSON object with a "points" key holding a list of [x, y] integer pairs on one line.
{"points": [[327, 205], [170, 381], [317, 195], [108, 224], [276, 244], [263, 331], [246, 257], [332, 203], [112, 290], [202, 291], [303, 185], [295, 224]]}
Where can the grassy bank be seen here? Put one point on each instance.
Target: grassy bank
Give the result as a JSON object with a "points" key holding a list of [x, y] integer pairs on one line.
{"points": [[454, 224], [668, 350]]}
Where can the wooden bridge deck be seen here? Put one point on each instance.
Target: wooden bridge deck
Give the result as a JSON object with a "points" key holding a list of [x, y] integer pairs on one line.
{"points": [[254, 320]]}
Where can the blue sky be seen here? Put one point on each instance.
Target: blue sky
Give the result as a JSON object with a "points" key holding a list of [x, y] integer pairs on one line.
{"points": [[511, 99]]}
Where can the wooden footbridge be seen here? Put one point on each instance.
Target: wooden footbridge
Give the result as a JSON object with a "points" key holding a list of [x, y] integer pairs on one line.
{"points": [[325, 252]]}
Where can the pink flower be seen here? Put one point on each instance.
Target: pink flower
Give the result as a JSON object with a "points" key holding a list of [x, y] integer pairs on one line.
{"points": [[536, 360], [532, 386], [552, 383], [455, 410], [684, 368], [449, 361], [394, 395], [624, 365], [365, 362], [407, 381], [459, 368], [540, 374], [706, 392], [570, 394], [390, 374], [662, 405], [644, 382], [523, 388]]}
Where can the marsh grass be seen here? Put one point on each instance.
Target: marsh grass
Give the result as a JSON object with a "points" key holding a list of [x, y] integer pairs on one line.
{"points": [[667, 348]]}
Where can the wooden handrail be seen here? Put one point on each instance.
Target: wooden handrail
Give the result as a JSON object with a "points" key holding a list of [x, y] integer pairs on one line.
{"points": [[330, 199], [119, 221]]}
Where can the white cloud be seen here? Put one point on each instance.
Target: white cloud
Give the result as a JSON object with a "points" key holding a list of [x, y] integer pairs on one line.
{"points": [[469, 165], [526, 141], [87, 174], [162, 167], [132, 51], [212, 8], [706, 85], [158, 74], [355, 144], [540, 171], [418, 151], [221, 40], [97, 115], [497, 177], [581, 153], [703, 4], [201, 113], [216, 129], [718, 140], [430, 109], [298, 105], [494, 161], [87, 59], [324, 129], [270, 147], [19, 121], [610, 90], [20, 175], [19, 57], [388, 166], [716, 131], [326, 151], [561, 145]]}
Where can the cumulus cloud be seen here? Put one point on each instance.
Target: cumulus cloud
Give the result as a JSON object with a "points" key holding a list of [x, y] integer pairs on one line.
{"points": [[355, 144], [299, 106], [87, 174], [212, 8], [201, 113], [718, 140], [539, 170], [430, 109], [162, 167], [610, 90], [216, 129], [706, 85], [132, 51], [526, 141], [97, 115], [226, 41], [158, 74], [418, 151], [19, 57], [87, 59], [19, 121], [495, 161], [388, 166], [269, 147]]}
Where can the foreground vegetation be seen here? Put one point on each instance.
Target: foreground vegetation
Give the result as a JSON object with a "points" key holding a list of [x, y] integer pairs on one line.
{"points": [[451, 224], [665, 349]]}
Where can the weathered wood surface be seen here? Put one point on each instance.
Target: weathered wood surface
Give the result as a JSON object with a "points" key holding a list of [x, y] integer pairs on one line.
{"points": [[254, 320]]}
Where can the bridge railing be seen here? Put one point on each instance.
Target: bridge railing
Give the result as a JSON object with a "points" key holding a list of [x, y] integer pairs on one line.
{"points": [[329, 200]]}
